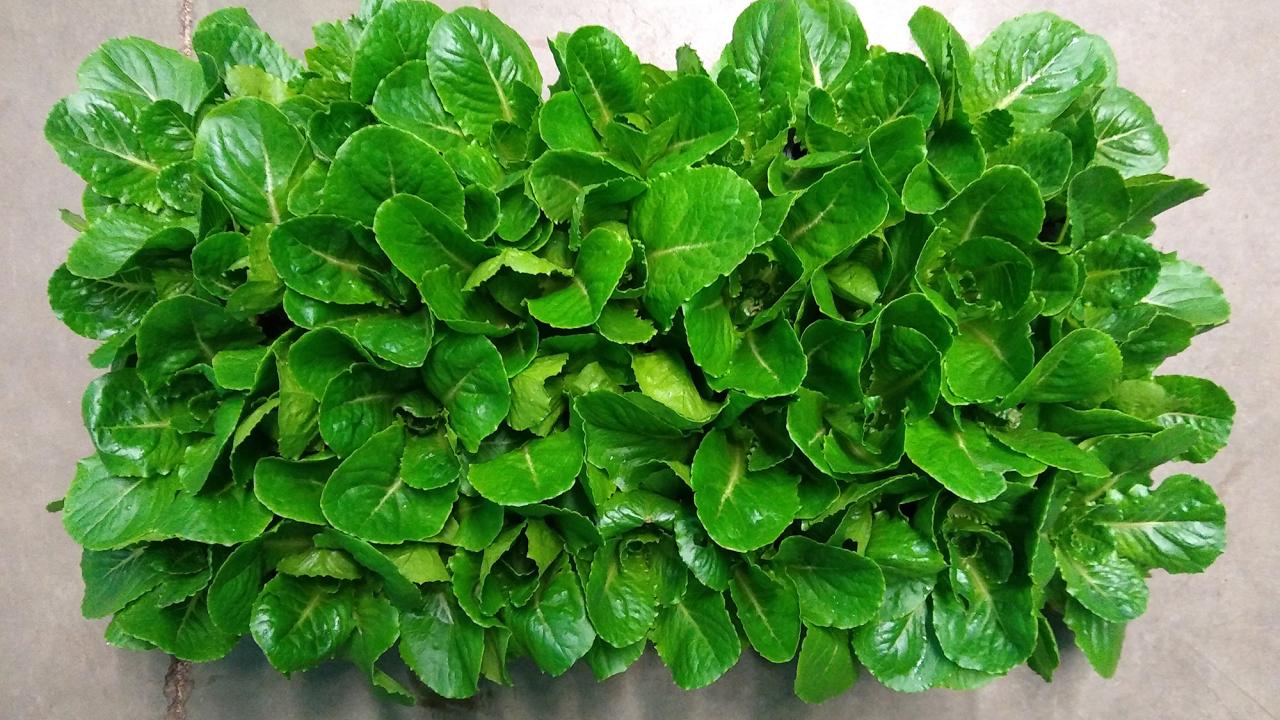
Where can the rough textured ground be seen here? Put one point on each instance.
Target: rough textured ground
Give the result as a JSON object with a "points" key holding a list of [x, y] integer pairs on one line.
{"points": [[1206, 649]]}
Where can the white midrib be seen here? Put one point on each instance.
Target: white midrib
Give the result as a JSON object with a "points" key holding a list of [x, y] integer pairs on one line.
{"points": [[119, 499], [675, 249], [1032, 79], [814, 222], [605, 112], [391, 490], [528, 463], [990, 344], [736, 472], [754, 602], [507, 113], [755, 352], [269, 177]]}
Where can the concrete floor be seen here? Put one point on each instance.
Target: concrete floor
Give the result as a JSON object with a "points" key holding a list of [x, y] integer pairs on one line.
{"points": [[1208, 647]]}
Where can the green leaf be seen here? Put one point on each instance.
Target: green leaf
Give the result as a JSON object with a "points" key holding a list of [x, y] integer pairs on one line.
{"points": [[1083, 364], [741, 509], [319, 356], [183, 332], [518, 261], [376, 627], [990, 273], [247, 152], [620, 594], [1185, 291], [698, 117], [715, 208], [183, 629], [768, 610], [535, 405], [767, 43], [909, 561], [240, 369], [837, 588], [437, 255], [442, 646], [888, 87], [1105, 583], [97, 137], [483, 71], [430, 461], [606, 661], [1119, 270], [696, 639], [563, 125], [834, 38], [663, 377], [963, 458], [357, 404], [235, 587], [768, 362], [376, 163], [299, 622], [825, 668], [101, 309], [623, 325], [466, 374], [232, 44], [901, 653], [1129, 138], [226, 517], [945, 51], [601, 262], [400, 339], [326, 258], [396, 586], [143, 70], [906, 371], [1179, 526], [1051, 449], [419, 562], [1045, 155], [834, 352], [133, 432], [319, 562], [623, 436], [604, 74], [1151, 195], [834, 214], [1035, 66], [115, 578], [371, 496], [1057, 280], [393, 37], [993, 631], [407, 100], [1099, 640], [1097, 204], [553, 626], [538, 471], [1045, 659], [1181, 400], [118, 235], [105, 512], [558, 179], [1004, 203]]}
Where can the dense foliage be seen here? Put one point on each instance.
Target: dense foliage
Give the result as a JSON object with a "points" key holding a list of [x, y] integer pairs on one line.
{"points": [[839, 353]]}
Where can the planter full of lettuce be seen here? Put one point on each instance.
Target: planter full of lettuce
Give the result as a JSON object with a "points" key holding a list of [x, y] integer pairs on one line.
{"points": [[819, 351]]}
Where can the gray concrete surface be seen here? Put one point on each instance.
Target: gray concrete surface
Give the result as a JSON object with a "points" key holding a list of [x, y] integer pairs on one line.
{"points": [[1208, 648]]}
